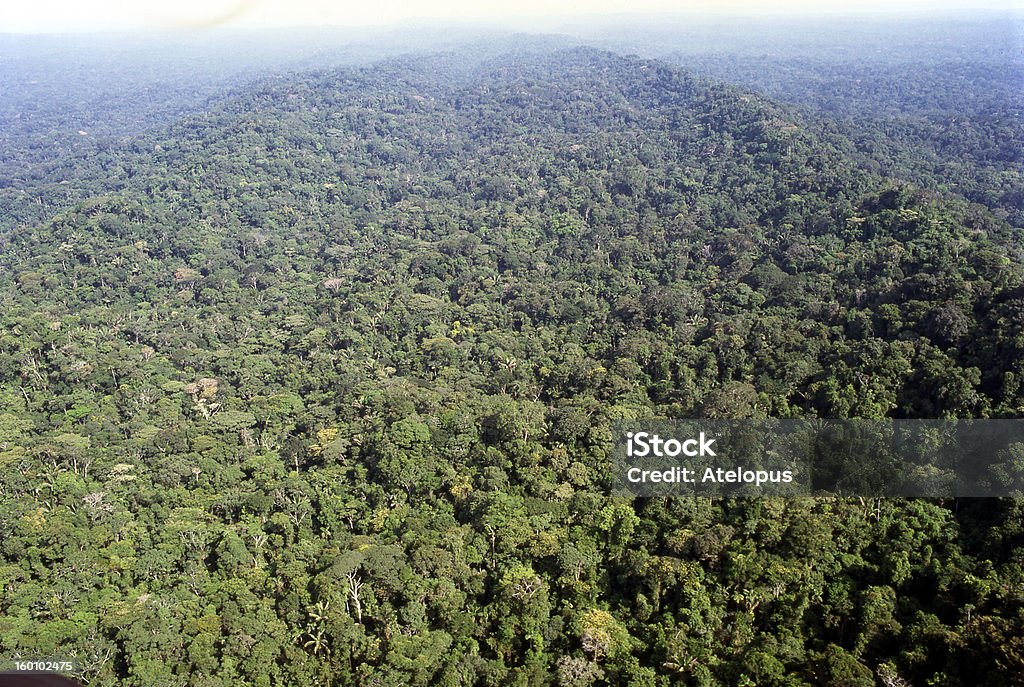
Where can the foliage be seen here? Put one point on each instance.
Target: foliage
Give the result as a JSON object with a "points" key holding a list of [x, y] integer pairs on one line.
{"points": [[315, 387]]}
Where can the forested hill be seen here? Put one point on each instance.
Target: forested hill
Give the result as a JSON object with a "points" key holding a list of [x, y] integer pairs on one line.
{"points": [[530, 194], [339, 356], [936, 102]]}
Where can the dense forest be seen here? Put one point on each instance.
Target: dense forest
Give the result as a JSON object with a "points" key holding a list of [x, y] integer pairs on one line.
{"points": [[312, 383]]}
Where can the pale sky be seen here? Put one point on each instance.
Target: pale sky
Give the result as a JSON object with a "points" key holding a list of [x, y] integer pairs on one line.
{"points": [[34, 16]]}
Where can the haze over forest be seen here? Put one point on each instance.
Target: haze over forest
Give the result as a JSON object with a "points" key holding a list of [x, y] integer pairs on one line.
{"points": [[311, 343]]}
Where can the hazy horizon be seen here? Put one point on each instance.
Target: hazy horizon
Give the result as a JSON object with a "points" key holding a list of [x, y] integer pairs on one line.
{"points": [[97, 16]]}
